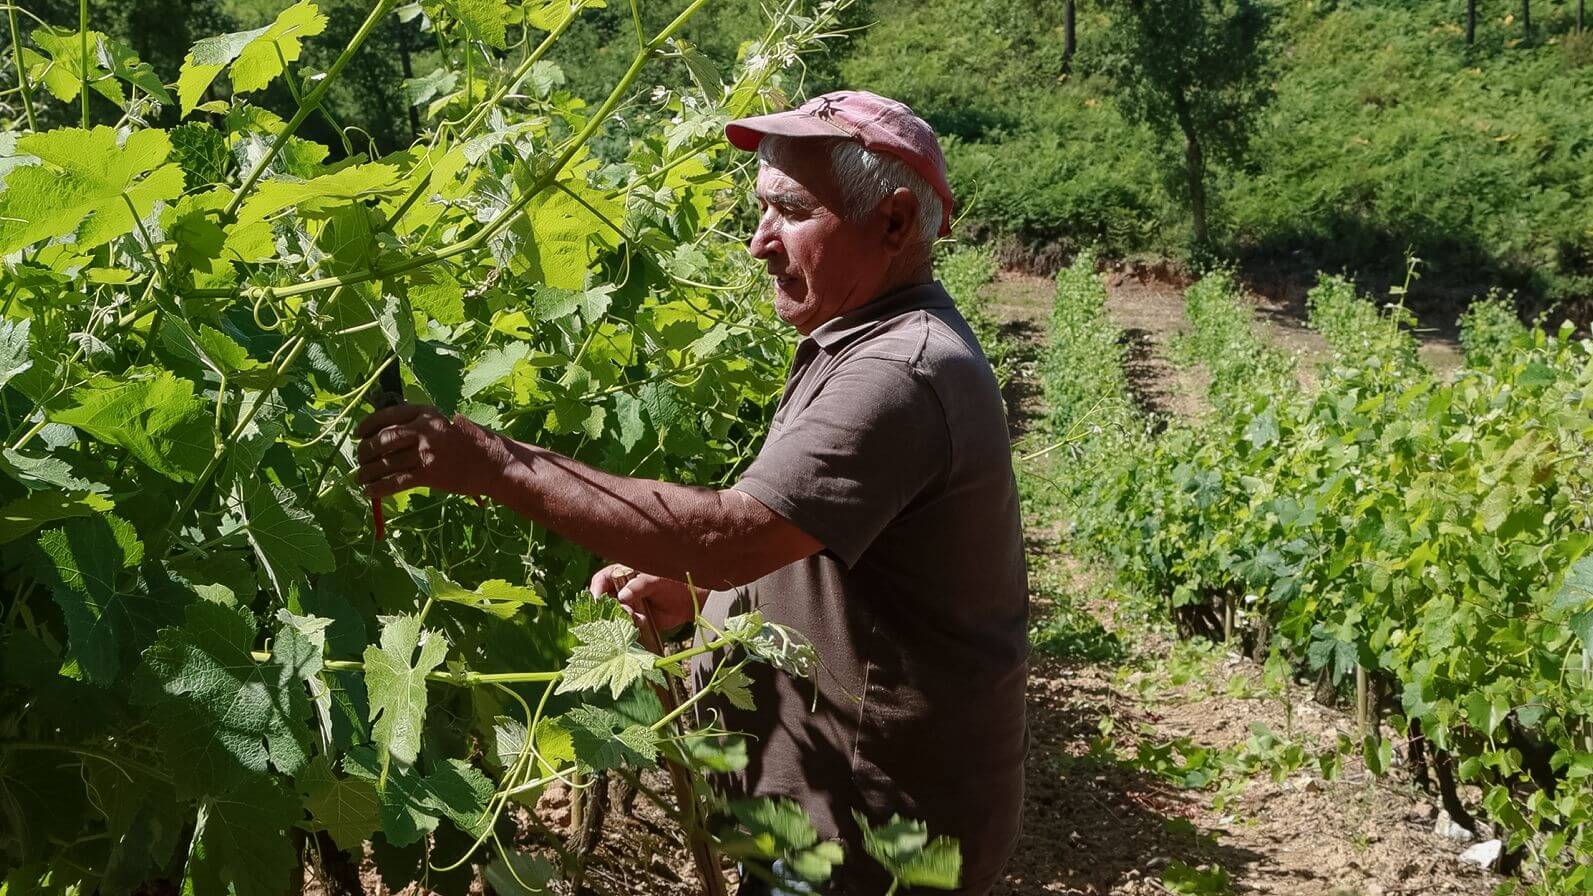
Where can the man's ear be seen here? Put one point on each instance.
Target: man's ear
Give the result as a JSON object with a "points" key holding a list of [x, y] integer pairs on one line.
{"points": [[900, 211]]}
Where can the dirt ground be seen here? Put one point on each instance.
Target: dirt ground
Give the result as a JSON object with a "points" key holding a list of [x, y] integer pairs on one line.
{"points": [[1095, 822]]}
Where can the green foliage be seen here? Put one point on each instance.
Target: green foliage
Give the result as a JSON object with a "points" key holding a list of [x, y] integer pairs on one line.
{"points": [[1223, 339], [1361, 334], [1489, 329], [1083, 371], [912, 858], [1384, 135], [1432, 532], [1068, 632], [205, 656], [1193, 70], [965, 271]]}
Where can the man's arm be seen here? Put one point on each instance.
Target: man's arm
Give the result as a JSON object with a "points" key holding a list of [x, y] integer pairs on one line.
{"points": [[718, 538]]}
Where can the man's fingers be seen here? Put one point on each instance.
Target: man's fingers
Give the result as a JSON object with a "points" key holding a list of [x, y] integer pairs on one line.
{"points": [[398, 413], [602, 582], [390, 485], [387, 441], [389, 464]]}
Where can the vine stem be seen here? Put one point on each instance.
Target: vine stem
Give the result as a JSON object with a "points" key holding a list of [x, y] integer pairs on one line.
{"points": [[83, 60], [479, 679], [22, 75], [147, 771], [504, 218]]}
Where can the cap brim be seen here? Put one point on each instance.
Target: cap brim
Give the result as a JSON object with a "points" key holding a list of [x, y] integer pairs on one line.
{"points": [[745, 133]]}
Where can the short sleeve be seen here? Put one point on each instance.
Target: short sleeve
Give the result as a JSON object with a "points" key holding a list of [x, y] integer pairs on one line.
{"points": [[849, 462]]}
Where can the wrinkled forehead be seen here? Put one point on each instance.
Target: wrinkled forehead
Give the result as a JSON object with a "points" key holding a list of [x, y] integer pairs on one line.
{"points": [[797, 173]]}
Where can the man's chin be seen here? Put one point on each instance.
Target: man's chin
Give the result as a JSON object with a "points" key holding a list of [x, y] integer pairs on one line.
{"points": [[793, 309]]}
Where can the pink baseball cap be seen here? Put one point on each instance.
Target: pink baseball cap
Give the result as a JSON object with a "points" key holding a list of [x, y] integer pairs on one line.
{"points": [[879, 123]]}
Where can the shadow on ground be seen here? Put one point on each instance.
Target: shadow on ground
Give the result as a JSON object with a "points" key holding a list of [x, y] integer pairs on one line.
{"points": [[1093, 824]]}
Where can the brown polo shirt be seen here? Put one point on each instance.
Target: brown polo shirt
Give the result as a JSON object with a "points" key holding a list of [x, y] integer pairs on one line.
{"points": [[890, 448]]}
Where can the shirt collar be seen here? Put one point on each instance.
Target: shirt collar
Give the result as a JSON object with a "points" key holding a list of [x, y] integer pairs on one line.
{"points": [[845, 327]]}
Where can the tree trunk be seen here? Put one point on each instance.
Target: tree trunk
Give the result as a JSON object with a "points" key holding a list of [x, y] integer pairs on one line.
{"points": [[1581, 10], [1526, 17], [1070, 37], [1195, 163], [1471, 22]]}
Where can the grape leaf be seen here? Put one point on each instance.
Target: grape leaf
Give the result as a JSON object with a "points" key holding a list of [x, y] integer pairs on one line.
{"points": [[346, 808], [718, 754], [906, 851], [13, 349], [460, 792], [318, 196], [201, 151], [159, 421], [1577, 592], [221, 717], [737, 688], [31, 511], [86, 559], [437, 293], [85, 186], [396, 680], [492, 367], [494, 596], [779, 828], [411, 804], [519, 874], [109, 60], [507, 740], [602, 740], [484, 20], [1497, 506], [774, 644], [256, 56], [437, 367], [438, 82], [300, 649], [39, 473], [559, 236], [607, 657], [242, 847], [284, 537]]}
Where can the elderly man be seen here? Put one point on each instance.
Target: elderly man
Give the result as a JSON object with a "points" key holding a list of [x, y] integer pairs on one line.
{"points": [[880, 518]]}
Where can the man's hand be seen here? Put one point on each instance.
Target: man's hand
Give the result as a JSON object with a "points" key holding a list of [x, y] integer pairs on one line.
{"points": [[665, 603], [412, 445]]}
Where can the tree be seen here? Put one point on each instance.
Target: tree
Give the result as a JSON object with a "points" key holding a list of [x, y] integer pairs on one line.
{"points": [[1471, 22], [1070, 34], [1190, 68], [1526, 17]]}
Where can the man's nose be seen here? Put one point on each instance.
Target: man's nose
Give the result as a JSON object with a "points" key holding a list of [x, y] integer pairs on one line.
{"points": [[763, 243]]}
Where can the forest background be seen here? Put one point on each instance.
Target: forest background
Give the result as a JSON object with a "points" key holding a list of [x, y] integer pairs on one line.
{"points": [[1375, 131]]}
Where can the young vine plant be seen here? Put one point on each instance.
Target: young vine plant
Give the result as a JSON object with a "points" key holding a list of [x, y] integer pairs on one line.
{"points": [[211, 669]]}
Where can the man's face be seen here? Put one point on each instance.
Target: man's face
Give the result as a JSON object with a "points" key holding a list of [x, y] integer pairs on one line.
{"points": [[822, 264]]}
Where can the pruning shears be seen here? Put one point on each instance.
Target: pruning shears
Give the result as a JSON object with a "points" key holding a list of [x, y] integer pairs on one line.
{"points": [[389, 392]]}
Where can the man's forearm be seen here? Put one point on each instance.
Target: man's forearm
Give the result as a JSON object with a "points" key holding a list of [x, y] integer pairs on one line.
{"points": [[714, 538]]}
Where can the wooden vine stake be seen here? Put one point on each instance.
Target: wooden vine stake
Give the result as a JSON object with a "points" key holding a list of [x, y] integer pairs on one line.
{"points": [[702, 852], [1363, 701]]}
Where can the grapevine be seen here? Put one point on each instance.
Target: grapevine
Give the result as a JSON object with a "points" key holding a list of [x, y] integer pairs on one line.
{"points": [[1420, 538], [213, 674]]}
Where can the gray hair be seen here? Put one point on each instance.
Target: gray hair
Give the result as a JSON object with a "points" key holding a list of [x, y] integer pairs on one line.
{"points": [[865, 178]]}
